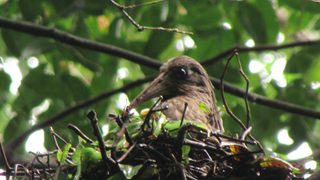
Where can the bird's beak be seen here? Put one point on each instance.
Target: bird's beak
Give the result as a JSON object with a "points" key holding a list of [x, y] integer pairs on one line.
{"points": [[156, 88]]}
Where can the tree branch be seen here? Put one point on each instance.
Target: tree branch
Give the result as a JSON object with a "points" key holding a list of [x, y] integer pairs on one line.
{"points": [[259, 48], [139, 27], [276, 104], [58, 117], [67, 38]]}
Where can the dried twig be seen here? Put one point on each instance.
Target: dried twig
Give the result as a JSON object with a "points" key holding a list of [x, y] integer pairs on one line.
{"points": [[223, 96], [54, 137], [245, 133], [123, 130], [248, 111], [80, 133], [154, 152], [126, 153], [226, 105], [5, 159], [183, 113], [139, 27], [141, 4], [233, 139], [148, 116]]}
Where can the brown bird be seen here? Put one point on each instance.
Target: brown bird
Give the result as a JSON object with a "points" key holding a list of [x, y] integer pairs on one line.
{"points": [[183, 80]]}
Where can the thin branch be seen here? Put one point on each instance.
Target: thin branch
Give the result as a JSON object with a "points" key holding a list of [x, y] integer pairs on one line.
{"points": [[5, 159], [275, 104], [248, 111], [55, 141], [92, 116], [139, 27], [57, 136], [123, 130], [242, 49], [60, 116], [233, 139], [146, 121], [124, 156], [141, 4], [246, 97], [67, 38], [183, 113], [223, 96], [245, 133], [80, 133]]}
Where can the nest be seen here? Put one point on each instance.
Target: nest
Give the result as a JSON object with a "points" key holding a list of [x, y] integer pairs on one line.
{"points": [[150, 147]]}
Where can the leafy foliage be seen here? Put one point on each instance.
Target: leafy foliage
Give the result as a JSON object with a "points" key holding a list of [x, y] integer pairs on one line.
{"points": [[65, 75]]}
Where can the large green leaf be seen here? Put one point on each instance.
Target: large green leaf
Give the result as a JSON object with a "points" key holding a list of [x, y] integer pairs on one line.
{"points": [[271, 23], [31, 9], [253, 22], [4, 84], [15, 126], [204, 15], [305, 61], [15, 41]]}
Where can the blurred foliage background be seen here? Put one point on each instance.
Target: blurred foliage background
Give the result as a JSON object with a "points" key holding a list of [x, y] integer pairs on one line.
{"points": [[40, 77]]}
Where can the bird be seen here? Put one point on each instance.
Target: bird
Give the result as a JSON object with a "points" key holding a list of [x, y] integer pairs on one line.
{"points": [[183, 80]]}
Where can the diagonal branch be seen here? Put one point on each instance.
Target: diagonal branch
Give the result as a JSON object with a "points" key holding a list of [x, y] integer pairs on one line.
{"points": [[60, 116], [259, 48], [276, 104], [67, 38]]}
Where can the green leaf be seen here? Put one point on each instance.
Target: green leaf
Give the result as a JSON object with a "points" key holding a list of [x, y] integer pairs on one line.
{"points": [[313, 73], [173, 126], [63, 154], [148, 172], [252, 20], [157, 43], [203, 107], [15, 41], [134, 126], [185, 153], [130, 171], [31, 9], [5, 82], [270, 18], [199, 17], [15, 126], [89, 158]]}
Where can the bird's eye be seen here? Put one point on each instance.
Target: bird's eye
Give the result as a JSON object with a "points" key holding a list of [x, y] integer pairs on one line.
{"points": [[181, 72]]}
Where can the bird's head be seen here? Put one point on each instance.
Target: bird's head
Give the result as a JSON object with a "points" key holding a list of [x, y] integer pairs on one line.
{"points": [[181, 76]]}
